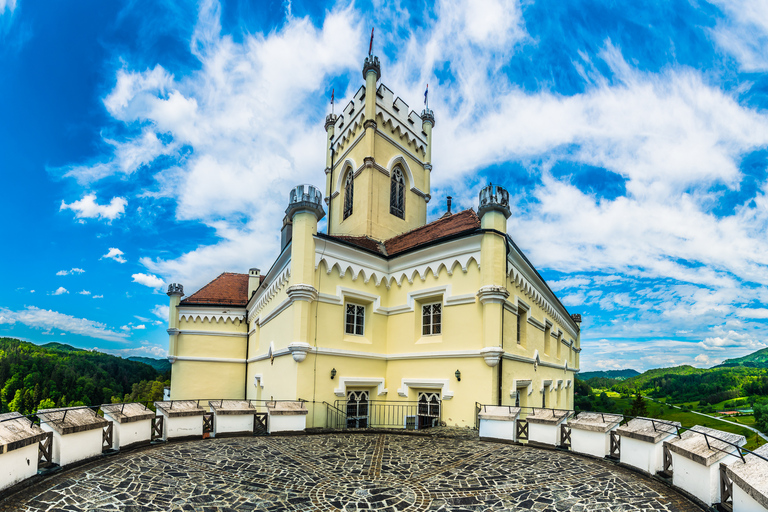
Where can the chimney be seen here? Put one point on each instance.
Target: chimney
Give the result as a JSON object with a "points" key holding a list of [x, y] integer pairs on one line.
{"points": [[576, 318], [254, 280], [449, 205]]}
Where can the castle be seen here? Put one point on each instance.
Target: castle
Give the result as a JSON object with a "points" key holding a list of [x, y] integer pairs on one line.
{"points": [[384, 306]]}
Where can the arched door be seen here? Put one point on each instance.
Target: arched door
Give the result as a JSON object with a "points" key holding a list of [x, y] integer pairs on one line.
{"points": [[357, 409]]}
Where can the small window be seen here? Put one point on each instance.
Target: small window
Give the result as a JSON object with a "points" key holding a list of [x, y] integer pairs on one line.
{"points": [[431, 315], [519, 326], [349, 191], [397, 194], [355, 320]]}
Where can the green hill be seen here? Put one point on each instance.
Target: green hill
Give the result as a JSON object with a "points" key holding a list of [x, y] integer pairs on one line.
{"points": [[64, 375], [161, 365], [608, 374], [757, 359]]}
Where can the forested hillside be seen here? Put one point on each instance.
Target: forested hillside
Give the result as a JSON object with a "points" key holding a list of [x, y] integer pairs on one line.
{"points": [[609, 374], [60, 375], [757, 359]]}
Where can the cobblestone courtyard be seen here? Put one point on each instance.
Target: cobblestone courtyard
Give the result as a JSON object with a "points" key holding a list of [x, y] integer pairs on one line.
{"points": [[347, 472]]}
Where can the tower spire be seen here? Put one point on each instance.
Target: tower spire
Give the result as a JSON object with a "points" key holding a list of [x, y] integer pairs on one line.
{"points": [[370, 46]]}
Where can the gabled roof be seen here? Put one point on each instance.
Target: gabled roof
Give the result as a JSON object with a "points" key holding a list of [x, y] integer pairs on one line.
{"points": [[444, 226], [447, 225], [227, 289]]}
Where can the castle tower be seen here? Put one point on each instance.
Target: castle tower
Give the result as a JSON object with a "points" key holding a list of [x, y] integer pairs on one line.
{"points": [[378, 163]]}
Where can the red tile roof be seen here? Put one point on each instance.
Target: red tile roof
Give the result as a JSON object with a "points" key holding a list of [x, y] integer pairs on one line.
{"points": [[229, 288], [232, 289], [363, 241], [444, 226]]}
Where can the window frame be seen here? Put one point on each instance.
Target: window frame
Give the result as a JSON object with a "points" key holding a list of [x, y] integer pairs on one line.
{"points": [[397, 194], [431, 325], [349, 195], [358, 319]]}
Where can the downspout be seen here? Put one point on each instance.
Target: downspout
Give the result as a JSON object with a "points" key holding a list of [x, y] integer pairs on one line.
{"points": [[247, 347], [503, 306]]}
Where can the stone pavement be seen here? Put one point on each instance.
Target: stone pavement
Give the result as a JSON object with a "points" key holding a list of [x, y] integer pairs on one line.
{"points": [[349, 472]]}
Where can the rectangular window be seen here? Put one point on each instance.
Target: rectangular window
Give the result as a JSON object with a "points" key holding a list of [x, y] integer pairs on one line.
{"points": [[520, 319], [431, 316], [355, 320]]}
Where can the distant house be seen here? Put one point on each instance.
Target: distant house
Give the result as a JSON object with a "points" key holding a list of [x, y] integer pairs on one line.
{"points": [[385, 306]]}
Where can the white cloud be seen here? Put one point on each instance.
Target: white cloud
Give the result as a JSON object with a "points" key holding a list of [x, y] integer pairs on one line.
{"points": [[60, 291], [31, 291], [139, 327], [162, 311], [149, 280], [145, 350], [87, 208], [84, 292], [46, 319], [98, 296], [74, 270], [8, 5], [115, 254], [743, 32]]}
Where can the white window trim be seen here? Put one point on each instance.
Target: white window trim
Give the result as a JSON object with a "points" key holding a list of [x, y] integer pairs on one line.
{"points": [[441, 384], [360, 382]]}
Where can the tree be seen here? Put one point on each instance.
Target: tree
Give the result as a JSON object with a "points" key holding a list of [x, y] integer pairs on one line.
{"points": [[638, 407], [46, 403], [761, 417], [17, 404]]}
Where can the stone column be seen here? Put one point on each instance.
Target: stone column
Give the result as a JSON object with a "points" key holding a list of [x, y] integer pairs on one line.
{"points": [[175, 292], [305, 210], [427, 123]]}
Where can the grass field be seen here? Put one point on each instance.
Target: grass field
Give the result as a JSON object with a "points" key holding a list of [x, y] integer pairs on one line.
{"points": [[689, 419]]}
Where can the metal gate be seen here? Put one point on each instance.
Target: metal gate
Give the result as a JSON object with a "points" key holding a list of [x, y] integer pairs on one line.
{"points": [[521, 430], [157, 428], [615, 445], [207, 423], [260, 425], [106, 437]]}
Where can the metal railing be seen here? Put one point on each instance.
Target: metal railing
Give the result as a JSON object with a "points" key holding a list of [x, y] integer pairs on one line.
{"points": [[387, 414]]}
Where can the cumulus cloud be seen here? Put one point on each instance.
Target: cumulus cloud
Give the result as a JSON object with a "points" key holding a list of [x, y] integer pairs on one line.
{"points": [[238, 131], [115, 254], [88, 208], [149, 280], [98, 296], [71, 271], [46, 319], [59, 291], [84, 292]]}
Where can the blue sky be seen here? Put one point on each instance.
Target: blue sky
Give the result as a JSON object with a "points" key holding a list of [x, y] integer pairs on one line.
{"points": [[149, 142]]}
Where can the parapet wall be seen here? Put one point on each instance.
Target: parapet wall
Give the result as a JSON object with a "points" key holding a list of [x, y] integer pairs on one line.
{"points": [[708, 465]]}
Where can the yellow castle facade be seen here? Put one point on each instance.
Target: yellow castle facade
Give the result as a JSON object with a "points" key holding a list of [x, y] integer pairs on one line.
{"points": [[384, 306]]}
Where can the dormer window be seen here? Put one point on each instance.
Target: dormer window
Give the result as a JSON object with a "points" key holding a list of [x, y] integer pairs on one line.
{"points": [[349, 190], [397, 194]]}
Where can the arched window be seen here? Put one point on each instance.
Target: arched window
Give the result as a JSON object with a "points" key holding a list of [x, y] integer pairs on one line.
{"points": [[349, 190], [397, 194]]}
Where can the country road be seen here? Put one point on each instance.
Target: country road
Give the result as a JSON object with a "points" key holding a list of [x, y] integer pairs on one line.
{"points": [[713, 417]]}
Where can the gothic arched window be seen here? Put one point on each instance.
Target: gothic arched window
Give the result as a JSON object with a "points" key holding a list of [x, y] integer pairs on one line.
{"points": [[397, 194], [349, 190]]}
